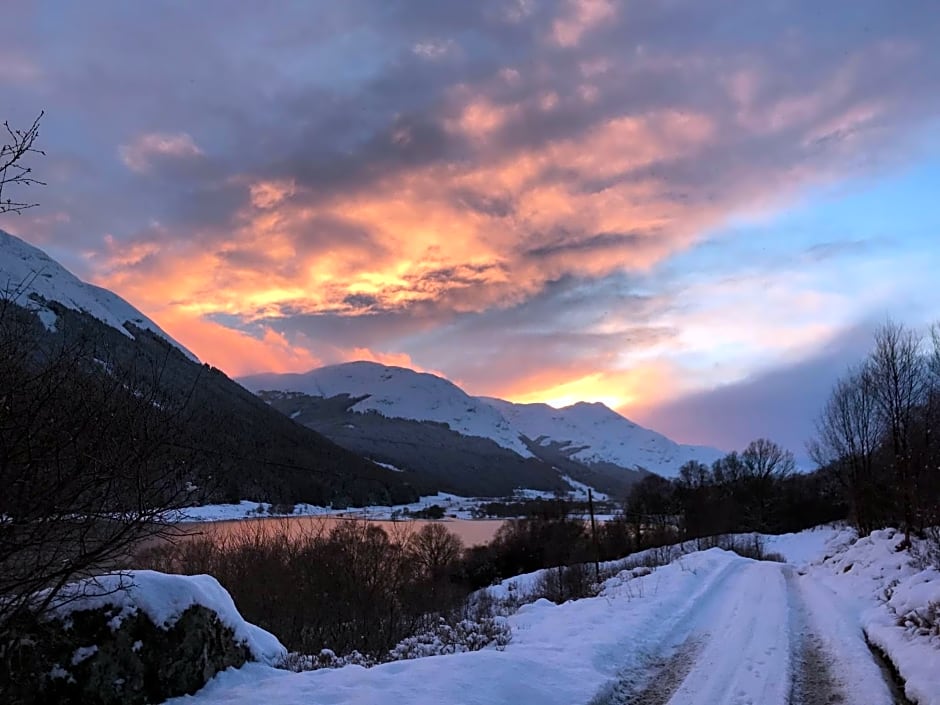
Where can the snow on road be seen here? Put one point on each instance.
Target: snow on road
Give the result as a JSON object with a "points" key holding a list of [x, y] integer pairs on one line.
{"points": [[711, 628]]}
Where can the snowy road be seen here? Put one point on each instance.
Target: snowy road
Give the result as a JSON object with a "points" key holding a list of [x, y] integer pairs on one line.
{"points": [[759, 634], [709, 629]]}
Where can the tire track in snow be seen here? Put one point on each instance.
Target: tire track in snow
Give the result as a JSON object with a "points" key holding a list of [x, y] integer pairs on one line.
{"points": [[658, 679], [657, 674], [746, 660], [812, 680], [833, 663], [755, 634]]}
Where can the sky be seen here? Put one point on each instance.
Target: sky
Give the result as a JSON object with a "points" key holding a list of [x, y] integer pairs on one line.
{"points": [[695, 211]]}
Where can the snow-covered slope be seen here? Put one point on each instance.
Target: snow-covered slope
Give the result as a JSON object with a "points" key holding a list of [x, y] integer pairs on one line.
{"points": [[397, 392], [587, 433], [594, 433], [27, 272]]}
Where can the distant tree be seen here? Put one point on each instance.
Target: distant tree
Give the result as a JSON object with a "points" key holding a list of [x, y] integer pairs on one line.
{"points": [[435, 549], [764, 464], [651, 509], [765, 460], [13, 172], [695, 473]]}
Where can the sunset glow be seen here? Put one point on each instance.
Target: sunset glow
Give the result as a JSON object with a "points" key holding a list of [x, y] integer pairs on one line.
{"points": [[640, 204]]}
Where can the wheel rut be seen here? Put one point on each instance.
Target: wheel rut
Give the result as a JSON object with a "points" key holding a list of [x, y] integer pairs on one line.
{"points": [[811, 668]]}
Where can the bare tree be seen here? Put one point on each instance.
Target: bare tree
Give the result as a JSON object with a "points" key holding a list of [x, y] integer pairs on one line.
{"points": [[764, 464], [13, 172], [435, 549], [87, 461], [848, 435], [900, 384], [765, 460]]}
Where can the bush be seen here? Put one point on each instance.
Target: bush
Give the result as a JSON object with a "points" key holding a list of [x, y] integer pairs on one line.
{"points": [[565, 583], [353, 589]]}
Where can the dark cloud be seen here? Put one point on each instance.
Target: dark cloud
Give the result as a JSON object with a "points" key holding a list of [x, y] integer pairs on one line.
{"points": [[781, 403]]}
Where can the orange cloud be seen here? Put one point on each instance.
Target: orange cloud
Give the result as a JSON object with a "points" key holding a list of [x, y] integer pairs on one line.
{"points": [[487, 231], [233, 351]]}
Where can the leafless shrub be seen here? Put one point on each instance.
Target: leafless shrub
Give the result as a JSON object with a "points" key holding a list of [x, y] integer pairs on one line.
{"points": [[351, 589]]}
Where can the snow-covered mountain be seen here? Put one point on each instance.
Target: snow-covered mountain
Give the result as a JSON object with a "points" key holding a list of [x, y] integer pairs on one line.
{"points": [[29, 277], [594, 433], [397, 392], [589, 434]]}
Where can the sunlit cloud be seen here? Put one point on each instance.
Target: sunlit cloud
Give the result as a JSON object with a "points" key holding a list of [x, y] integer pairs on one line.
{"points": [[579, 18], [519, 195], [138, 155]]}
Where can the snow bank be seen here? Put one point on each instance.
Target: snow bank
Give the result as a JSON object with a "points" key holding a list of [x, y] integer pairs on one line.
{"points": [[164, 598], [809, 546], [897, 603]]}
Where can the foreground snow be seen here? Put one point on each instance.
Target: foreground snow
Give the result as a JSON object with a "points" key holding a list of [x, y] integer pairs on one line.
{"points": [[709, 628]]}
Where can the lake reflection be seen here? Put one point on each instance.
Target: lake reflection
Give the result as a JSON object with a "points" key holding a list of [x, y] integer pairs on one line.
{"points": [[472, 532]]}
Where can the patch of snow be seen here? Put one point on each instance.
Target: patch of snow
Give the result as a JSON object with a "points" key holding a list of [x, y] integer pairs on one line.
{"points": [[27, 272], [83, 653], [164, 598], [580, 490], [59, 673], [387, 466], [454, 506]]}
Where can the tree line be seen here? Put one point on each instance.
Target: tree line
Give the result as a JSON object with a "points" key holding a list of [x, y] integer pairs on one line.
{"points": [[879, 432]]}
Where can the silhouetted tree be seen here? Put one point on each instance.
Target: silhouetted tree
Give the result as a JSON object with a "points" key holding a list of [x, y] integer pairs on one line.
{"points": [[848, 435]]}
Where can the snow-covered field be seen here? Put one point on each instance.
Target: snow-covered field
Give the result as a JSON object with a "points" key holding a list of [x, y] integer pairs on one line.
{"points": [[454, 506], [709, 628]]}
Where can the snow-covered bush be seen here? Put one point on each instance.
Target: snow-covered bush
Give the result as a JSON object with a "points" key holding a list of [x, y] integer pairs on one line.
{"points": [[327, 658], [443, 637], [924, 621], [926, 551], [460, 637]]}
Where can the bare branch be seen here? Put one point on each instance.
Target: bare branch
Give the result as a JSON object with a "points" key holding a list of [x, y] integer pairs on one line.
{"points": [[13, 170]]}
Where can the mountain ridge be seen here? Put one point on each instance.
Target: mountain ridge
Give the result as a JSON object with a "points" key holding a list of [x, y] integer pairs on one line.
{"points": [[590, 433], [28, 276], [240, 447]]}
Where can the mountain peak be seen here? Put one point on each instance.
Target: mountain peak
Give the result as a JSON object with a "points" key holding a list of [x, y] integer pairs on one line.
{"points": [[588, 432], [30, 277], [399, 392]]}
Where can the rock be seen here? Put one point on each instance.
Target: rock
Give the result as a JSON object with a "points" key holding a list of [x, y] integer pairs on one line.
{"points": [[105, 657]]}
